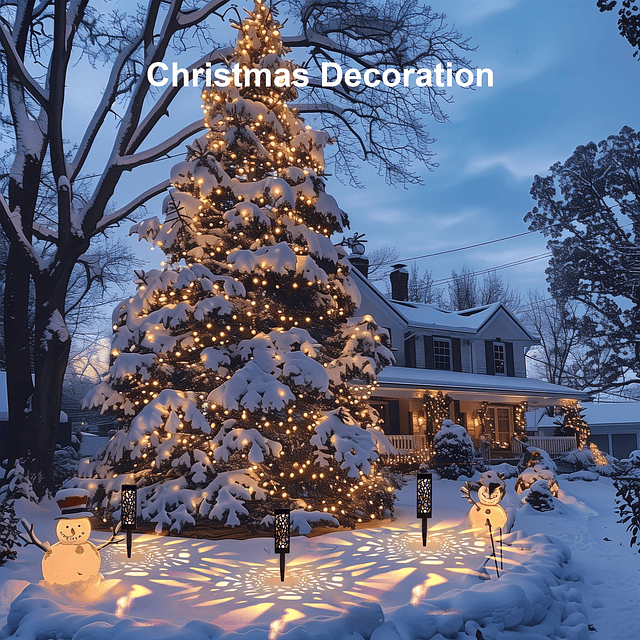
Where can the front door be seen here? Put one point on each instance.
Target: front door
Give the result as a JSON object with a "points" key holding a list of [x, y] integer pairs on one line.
{"points": [[500, 422]]}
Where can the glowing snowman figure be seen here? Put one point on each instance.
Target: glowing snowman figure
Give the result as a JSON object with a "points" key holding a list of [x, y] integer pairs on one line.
{"points": [[73, 558], [486, 514]]}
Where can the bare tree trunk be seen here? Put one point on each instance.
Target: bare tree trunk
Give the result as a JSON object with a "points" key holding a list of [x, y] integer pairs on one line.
{"points": [[16, 314], [18, 353], [53, 342]]}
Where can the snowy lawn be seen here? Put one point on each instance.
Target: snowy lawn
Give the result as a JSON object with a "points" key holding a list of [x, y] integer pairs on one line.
{"points": [[379, 583]]}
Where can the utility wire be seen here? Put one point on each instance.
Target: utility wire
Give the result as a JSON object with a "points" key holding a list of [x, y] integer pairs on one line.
{"points": [[444, 281], [470, 246]]}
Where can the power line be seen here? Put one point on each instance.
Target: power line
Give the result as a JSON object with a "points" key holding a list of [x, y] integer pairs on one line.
{"points": [[439, 283], [471, 246]]}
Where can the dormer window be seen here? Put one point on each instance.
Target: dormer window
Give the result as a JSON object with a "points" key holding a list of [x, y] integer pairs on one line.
{"points": [[442, 354], [499, 359]]}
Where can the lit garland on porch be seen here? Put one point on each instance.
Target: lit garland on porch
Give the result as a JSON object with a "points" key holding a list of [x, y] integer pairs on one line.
{"points": [[436, 409], [521, 419]]}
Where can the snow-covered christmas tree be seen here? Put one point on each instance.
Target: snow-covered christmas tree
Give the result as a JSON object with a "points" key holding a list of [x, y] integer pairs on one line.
{"points": [[238, 371]]}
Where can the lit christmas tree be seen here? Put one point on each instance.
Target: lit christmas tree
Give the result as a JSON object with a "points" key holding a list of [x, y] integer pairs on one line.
{"points": [[238, 371]]}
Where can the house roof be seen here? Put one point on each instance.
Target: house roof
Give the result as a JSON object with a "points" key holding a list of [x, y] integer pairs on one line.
{"points": [[475, 383], [611, 412], [428, 316]]}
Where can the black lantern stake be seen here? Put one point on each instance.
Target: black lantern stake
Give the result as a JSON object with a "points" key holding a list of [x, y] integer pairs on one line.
{"points": [[128, 512], [282, 528], [424, 502]]}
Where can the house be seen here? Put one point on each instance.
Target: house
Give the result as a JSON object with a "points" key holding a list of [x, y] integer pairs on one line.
{"points": [[615, 426], [475, 358]]}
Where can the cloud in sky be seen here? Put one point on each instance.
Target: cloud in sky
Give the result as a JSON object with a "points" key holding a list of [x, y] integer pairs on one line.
{"points": [[522, 164]]}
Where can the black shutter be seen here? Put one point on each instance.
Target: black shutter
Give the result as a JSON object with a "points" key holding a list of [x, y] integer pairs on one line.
{"points": [[488, 351], [428, 352], [394, 417], [508, 353], [410, 352], [457, 354]]}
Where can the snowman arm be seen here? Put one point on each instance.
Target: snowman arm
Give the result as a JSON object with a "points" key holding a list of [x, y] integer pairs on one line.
{"points": [[45, 546], [112, 539]]}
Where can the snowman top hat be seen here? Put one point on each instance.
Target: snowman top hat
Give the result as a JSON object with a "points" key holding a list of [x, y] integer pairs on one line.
{"points": [[72, 504]]}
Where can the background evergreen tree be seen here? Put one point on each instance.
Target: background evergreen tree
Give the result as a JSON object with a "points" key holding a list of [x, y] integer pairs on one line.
{"points": [[238, 372]]}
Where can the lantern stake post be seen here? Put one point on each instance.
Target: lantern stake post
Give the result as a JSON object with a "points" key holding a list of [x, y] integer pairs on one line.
{"points": [[128, 512], [282, 532], [424, 501]]}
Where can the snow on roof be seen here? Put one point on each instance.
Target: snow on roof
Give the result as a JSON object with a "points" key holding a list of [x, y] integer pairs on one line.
{"points": [[423, 315], [611, 412], [428, 315], [473, 382]]}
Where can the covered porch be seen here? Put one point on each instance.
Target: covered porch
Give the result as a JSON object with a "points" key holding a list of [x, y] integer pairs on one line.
{"points": [[413, 402]]}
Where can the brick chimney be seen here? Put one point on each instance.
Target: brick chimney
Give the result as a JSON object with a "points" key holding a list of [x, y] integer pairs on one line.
{"points": [[360, 263], [399, 282]]}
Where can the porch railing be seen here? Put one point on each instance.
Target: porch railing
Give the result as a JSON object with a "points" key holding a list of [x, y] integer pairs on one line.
{"points": [[553, 445], [408, 443]]}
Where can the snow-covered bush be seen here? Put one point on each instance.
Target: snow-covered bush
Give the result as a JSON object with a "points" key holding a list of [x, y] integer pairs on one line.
{"points": [[591, 459], [505, 470], [628, 507], [453, 451], [8, 531], [630, 466], [532, 457], [65, 464], [539, 496], [531, 475], [17, 485]]}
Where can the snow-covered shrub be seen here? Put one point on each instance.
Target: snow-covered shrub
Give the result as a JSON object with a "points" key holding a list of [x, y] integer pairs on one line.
{"points": [[17, 485], [538, 496], [65, 464], [531, 475], [630, 466], [453, 451], [591, 459], [532, 457], [8, 531], [628, 506], [585, 476], [505, 470]]}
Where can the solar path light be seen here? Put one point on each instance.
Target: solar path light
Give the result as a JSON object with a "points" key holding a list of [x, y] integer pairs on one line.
{"points": [[128, 512], [424, 502], [282, 528]]}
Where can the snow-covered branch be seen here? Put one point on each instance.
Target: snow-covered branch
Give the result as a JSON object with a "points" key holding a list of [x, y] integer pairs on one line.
{"points": [[11, 223], [160, 108], [16, 65], [192, 18], [144, 157], [123, 212]]}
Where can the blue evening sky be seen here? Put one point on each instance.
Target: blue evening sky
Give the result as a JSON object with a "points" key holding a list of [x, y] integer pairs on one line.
{"points": [[563, 76]]}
